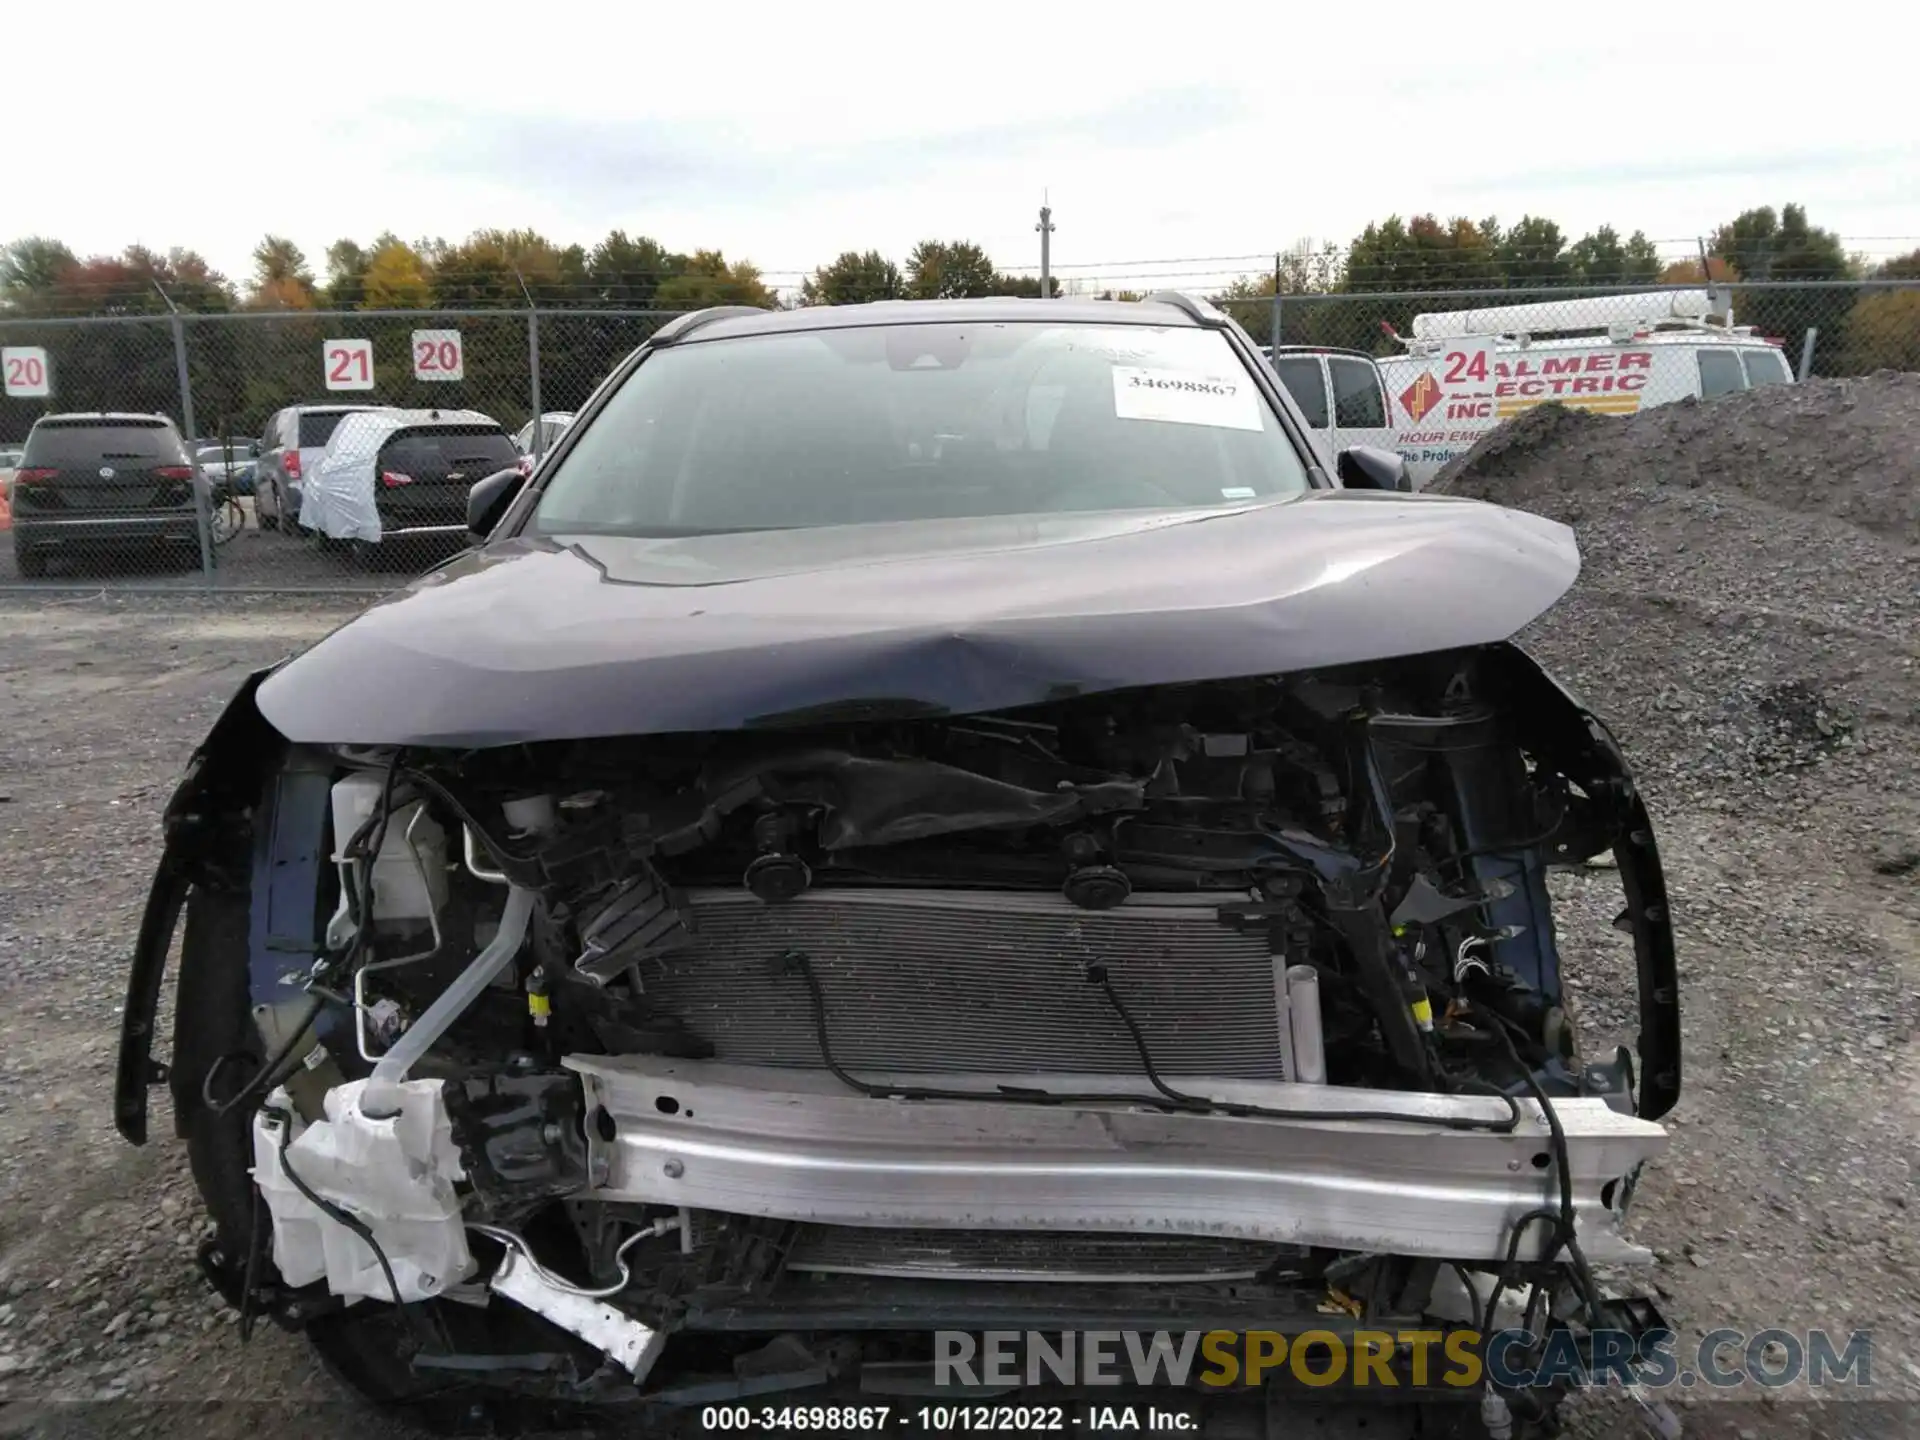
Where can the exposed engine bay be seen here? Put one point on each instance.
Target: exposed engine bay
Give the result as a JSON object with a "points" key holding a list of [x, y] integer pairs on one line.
{"points": [[1214, 999]]}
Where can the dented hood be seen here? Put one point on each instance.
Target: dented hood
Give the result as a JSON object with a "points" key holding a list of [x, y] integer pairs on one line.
{"points": [[547, 640]]}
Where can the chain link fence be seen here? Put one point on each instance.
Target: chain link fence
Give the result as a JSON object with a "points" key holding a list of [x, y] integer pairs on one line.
{"points": [[225, 451], [219, 456]]}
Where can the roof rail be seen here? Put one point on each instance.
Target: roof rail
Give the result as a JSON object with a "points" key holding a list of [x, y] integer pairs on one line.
{"points": [[1273, 350], [1201, 312], [681, 326]]}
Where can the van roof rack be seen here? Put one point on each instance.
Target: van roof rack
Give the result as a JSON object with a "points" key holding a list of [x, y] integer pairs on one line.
{"points": [[1699, 309]]}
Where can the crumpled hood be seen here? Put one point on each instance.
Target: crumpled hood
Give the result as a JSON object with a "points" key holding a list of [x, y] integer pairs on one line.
{"points": [[535, 640]]}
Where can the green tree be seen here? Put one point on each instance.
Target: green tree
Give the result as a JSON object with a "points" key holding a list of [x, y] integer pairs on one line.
{"points": [[949, 270], [1532, 252], [32, 272], [853, 278], [346, 275], [1762, 246], [709, 280], [1423, 254], [1022, 287], [1602, 258], [623, 271]]}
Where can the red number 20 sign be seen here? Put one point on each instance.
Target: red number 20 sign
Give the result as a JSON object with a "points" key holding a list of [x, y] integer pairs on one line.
{"points": [[437, 355], [24, 369]]}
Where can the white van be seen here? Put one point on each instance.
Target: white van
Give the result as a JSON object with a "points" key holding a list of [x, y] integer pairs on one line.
{"points": [[1465, 371], [1341, 393]]}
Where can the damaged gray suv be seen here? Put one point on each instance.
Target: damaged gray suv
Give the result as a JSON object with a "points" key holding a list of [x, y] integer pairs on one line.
{"points": [[918, 816]]}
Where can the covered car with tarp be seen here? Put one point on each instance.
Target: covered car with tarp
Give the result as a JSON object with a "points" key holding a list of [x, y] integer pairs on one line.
{"points": [[390, 473]]}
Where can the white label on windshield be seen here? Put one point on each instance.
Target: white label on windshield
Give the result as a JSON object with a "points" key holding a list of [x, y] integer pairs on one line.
{"points": [[1185, 397], [1236, 492]]}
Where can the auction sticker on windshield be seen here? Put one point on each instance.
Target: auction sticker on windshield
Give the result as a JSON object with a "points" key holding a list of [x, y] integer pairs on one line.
{"points": [[1185, 397]]}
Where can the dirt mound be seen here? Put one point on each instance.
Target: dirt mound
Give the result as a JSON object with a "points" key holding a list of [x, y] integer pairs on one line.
{"points": [[1748, 611], [1846, 448]]}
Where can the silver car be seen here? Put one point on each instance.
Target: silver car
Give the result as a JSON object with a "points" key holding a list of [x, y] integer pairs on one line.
{"points": [[294, 441]]}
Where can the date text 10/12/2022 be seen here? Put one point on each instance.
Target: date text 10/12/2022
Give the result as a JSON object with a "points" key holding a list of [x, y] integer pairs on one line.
{"points": [[1002, 1419]]}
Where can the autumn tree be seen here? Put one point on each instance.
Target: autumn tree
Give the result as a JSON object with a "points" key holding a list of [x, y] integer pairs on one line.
{"points": [[1883, 327], [709, 280], [489, 266], [282, 280], [1689, 272], [396, 276], [1901, 267], [853, 278]]}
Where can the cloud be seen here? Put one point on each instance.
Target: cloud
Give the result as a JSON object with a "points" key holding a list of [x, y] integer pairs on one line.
{"points": [[593, 165], [1691, 169]]}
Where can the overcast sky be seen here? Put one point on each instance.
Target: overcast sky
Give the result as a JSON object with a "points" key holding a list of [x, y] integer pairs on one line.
{"points": [[785, 134]]}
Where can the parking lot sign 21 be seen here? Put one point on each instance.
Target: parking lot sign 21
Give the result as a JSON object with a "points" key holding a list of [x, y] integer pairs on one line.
{"points": [[438, 355], [25, 371], [348, 364]]}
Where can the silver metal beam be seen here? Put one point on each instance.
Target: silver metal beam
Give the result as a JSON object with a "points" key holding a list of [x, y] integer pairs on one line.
{"points": [[799, 1145], [626, 1341]]}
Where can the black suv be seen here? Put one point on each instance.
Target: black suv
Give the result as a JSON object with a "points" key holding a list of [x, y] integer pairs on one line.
{"points": [[95, 484]]}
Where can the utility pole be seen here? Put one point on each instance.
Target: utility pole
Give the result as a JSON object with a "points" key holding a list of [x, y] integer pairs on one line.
{"points": [[1045, 227]]}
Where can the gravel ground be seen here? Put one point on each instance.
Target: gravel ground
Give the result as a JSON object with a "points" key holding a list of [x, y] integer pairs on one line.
{"points": [[1754, 645], [1748, 621]]}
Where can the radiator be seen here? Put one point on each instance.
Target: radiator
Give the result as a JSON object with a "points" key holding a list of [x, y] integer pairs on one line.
{"points": [[974, 981]]}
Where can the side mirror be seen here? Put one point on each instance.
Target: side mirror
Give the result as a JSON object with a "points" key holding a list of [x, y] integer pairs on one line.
{"points": [[489, 499], [1366, 467]]}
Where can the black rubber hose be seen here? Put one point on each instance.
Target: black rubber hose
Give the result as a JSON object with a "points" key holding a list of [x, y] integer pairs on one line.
{"points": [[800, 963], [350, 1221]]}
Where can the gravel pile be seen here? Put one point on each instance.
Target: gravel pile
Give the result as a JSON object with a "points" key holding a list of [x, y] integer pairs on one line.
{"points": [[1749, 602]]}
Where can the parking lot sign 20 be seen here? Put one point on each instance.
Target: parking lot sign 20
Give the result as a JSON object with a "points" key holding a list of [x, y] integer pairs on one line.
{"points": [[437, 355], [25, 371]]}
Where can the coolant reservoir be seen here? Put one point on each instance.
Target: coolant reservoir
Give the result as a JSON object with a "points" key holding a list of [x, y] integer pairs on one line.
{"points": [[410, 871]]}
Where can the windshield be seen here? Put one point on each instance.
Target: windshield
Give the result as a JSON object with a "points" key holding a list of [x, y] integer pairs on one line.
{"points": [[921, 422], [88, 442]]}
